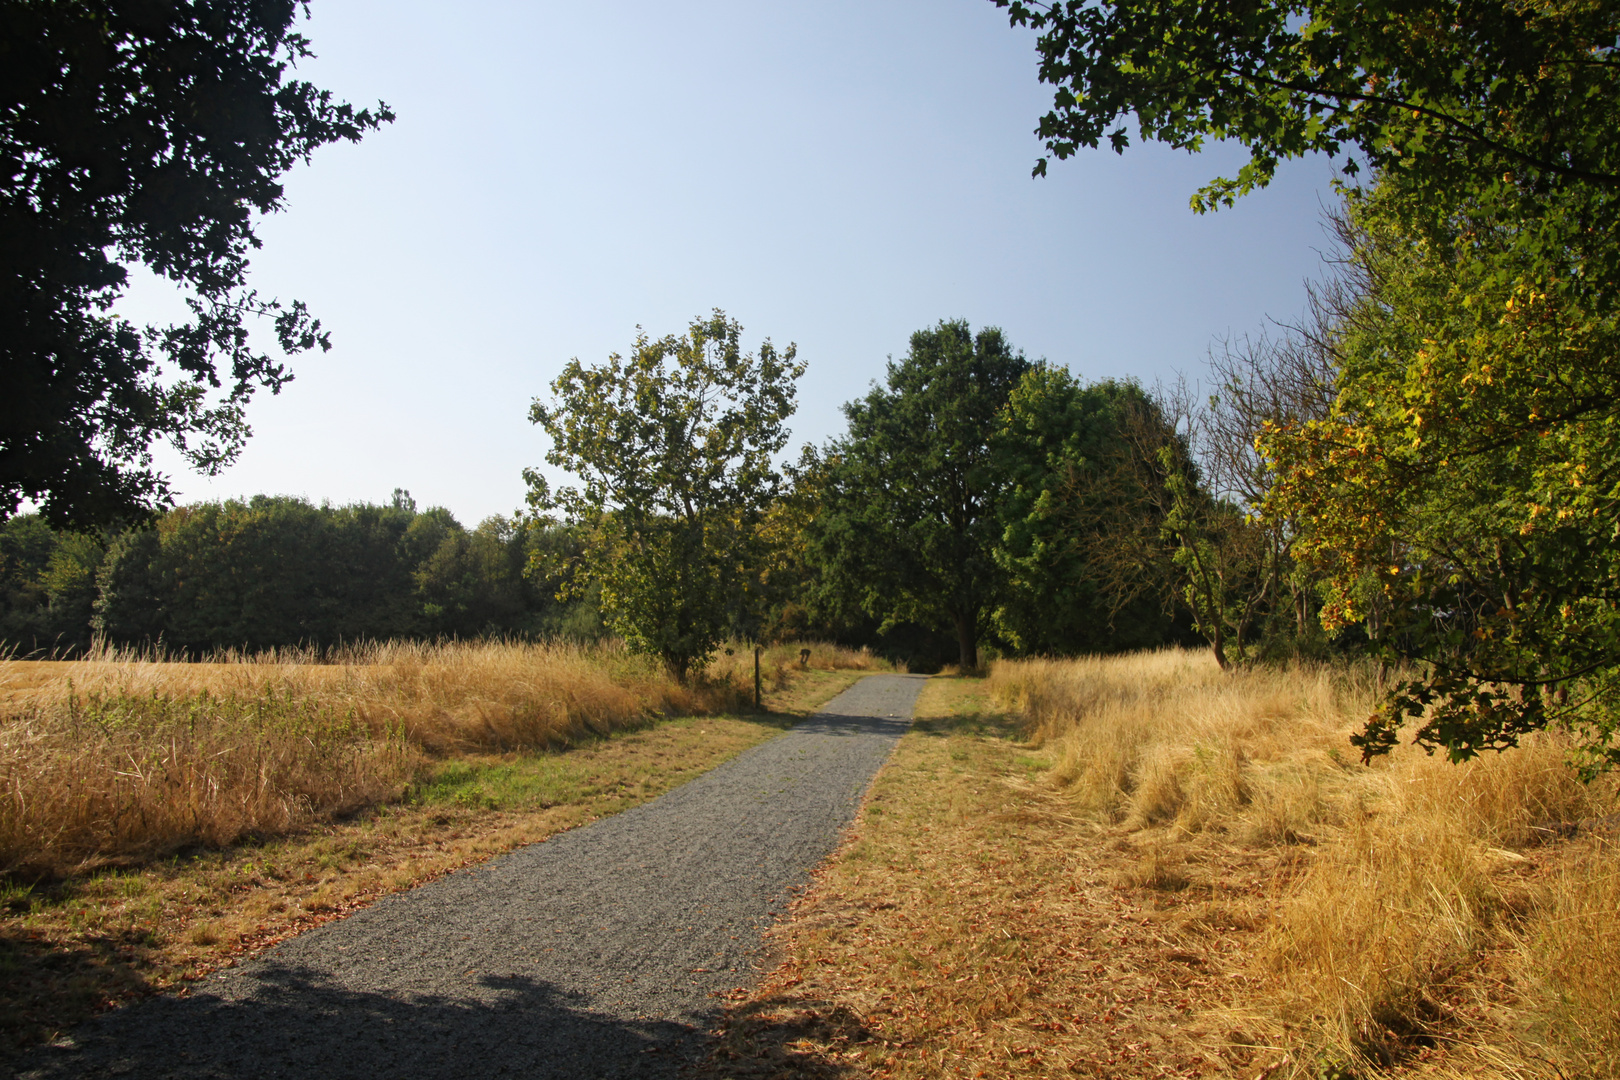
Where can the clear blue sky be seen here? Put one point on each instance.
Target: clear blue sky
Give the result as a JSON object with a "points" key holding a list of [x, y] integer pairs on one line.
{"points": [[835, 173]]}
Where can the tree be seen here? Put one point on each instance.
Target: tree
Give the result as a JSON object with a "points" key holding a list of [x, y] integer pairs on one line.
{"points": [[675, 449], [1444, 93], [1263, 383], [1460, 498], [141, 132], [1195, 532], [908, 522], [47, 587], [1059, 445], [1148, 528], [786, 576], [471, 582]]}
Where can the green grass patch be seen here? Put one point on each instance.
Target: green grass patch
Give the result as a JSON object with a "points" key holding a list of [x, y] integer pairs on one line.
{"points": [[526, 782]]}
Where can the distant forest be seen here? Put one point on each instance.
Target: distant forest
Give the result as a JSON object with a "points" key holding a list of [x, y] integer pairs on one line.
{"points": [[980, 505], [278, 571]]}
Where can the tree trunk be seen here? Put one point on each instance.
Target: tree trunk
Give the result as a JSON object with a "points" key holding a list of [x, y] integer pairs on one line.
{"points": [[967, 642]]}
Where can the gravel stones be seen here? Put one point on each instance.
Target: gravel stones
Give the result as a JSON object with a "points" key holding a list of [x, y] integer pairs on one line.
{"points": [[601, 952]]}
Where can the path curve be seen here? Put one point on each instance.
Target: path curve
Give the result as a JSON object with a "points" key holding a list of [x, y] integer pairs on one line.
{"points": [[597, 953]]}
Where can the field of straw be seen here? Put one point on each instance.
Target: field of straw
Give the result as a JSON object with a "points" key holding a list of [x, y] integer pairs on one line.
{"points": [[117, 759], [1429, 903]]}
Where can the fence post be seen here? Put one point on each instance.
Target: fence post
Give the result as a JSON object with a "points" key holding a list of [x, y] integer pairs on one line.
{"points": [[756, 677]]}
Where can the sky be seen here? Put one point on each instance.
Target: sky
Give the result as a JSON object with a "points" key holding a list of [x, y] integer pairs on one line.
{"points": [[832, 173]]}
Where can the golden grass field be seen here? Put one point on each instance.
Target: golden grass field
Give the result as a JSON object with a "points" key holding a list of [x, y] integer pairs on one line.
{"points": [[1141, 866], [113, 760], [160, 819]]}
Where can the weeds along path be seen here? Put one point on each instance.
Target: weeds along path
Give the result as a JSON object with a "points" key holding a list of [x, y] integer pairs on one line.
{"points": [[603, 952]]}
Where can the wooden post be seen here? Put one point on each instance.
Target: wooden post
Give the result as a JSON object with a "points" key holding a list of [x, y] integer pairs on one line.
{"points": [[756, 677]]}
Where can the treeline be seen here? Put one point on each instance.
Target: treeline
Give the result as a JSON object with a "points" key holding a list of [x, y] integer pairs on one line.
{"points": [[277, 571], [979, 504], [966, 498], [1017, 510]]}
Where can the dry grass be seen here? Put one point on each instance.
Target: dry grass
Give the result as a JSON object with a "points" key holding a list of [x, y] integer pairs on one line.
{"points": [[117, 780], [446, 697], [116, 759], [1157, 869], [90, 941], [1428, 909], [1567, 959]]}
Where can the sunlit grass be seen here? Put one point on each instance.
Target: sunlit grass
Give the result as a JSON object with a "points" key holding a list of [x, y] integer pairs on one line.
{"points": [[523, 783], [1141, 866], [118, 758], [1426, 888]]}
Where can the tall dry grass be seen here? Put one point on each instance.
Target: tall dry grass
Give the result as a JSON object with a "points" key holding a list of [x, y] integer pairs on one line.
{"points": [[122, 756], [113, 778], [1429, 902]]}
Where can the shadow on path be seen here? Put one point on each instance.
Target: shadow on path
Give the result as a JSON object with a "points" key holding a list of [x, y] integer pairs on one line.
{"points": [[825, 724], [297, 1024]]}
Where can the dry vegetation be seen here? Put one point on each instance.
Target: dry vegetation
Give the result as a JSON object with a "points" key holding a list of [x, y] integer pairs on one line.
{"points": [[1155, 869], [159, 819], [115, 760]]}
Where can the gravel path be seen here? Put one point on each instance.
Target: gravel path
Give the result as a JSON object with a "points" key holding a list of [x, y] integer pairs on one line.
{"points": [[598, 953]]}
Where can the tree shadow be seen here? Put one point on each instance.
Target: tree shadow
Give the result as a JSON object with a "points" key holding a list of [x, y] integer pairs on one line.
{"points": [[889, 727], [790, 1036], [984, 724], [46, 985], [780, 721], [294, 1023]]}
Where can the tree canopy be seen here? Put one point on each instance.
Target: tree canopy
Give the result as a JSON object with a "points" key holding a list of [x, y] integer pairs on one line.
{"points": [[142, 132], [1440, 91], [1461, 497], [908, 523], [1062, 446], [675, 447]]}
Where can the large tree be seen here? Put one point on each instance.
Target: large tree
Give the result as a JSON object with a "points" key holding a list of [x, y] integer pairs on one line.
{"points": [[141, 132], [675, 446], [1461, 498], [1067, 499], [908, 521], [47, 587], [1460, 495]]}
